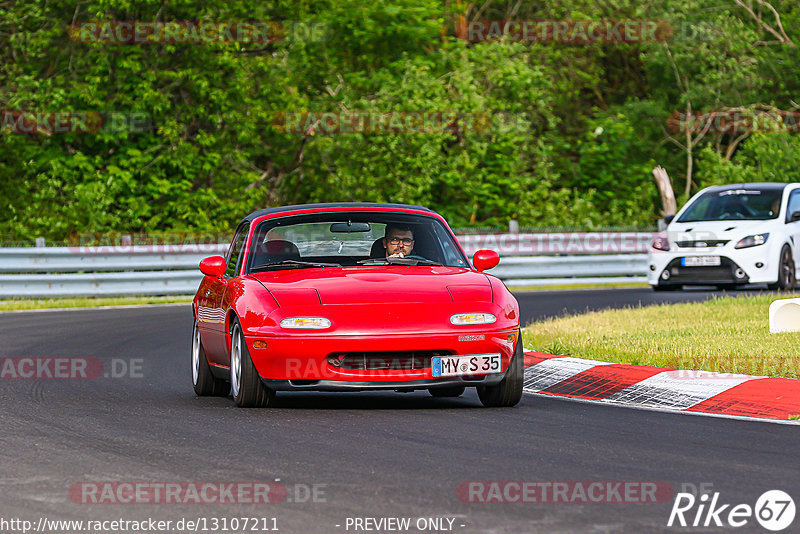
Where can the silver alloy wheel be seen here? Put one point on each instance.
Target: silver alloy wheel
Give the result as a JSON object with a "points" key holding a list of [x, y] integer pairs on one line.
{"points": [[195, 353], [236, 360]]}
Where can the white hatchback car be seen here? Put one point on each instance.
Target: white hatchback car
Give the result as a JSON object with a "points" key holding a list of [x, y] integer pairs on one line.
{"points": [[731, 235]]}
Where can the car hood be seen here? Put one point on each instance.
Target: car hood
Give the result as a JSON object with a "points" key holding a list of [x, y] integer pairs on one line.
{"points": [[375, 285], [716, 230]]}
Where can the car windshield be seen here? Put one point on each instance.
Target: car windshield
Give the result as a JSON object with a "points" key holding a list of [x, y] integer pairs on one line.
{"points": [[734, 204], [354, 239]]}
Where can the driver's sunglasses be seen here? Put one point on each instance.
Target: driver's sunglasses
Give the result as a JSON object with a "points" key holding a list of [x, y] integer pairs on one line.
{"points": [[397, 240]]}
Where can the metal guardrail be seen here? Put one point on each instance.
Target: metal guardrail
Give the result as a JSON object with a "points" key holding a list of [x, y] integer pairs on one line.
{"points": [[172, 269], [98, 259], [100, 284], [542, 270]]}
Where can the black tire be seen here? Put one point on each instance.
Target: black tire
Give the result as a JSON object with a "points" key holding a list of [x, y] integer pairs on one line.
{"points": [[666, 288], [203, 381], [508, 392], [247, 389], [787, 276], [449, 391]]}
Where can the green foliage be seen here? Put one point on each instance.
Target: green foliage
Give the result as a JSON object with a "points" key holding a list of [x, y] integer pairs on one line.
{"points": [[764, 157], [575, 129]]}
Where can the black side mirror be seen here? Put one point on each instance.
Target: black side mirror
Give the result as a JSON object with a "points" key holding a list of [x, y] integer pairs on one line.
{"points": [[669, 218], [795, 216]]}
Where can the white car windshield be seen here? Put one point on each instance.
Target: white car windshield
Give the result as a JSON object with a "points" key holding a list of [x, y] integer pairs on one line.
{"points": [[734, 204]]}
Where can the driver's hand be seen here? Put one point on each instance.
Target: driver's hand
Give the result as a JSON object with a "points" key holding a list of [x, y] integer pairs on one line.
{"points": [[397, 255]]}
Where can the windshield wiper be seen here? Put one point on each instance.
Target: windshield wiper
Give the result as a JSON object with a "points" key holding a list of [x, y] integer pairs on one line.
{"points": [[294, 264], [408, 260]]}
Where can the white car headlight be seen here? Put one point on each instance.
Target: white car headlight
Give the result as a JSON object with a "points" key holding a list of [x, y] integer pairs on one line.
{"points": [[752, 241], [316, 323], [472, 318], [660, 242]]}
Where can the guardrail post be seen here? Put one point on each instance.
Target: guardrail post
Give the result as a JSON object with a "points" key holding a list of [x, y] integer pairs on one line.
{"points": [[40, 243]]}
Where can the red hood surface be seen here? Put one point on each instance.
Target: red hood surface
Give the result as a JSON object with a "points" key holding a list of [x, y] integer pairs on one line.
{"points": [[375, 285]]}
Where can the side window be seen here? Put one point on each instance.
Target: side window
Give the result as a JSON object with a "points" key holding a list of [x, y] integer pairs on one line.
{"points": [[235, 252], [794, 204]]}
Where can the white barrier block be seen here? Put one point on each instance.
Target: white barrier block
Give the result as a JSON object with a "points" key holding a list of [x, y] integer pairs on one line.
{"points": [[784, 316]]}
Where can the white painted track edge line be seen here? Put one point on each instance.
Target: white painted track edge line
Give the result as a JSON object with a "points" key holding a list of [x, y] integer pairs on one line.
{"points": [[662, 410]]}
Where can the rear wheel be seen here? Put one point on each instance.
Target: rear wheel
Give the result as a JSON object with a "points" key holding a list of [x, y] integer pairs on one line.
{"points": [[204, 382], [509, 391], [449, 391], [246, 387], [787, 277]]}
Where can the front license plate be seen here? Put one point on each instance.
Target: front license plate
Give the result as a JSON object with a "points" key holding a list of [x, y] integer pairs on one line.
{"points": [[474, 364], [700, 261]]}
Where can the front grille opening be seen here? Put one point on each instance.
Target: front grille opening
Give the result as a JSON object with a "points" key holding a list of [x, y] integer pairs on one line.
{"points": [[708, 243], [726, 272], [385, 361]]}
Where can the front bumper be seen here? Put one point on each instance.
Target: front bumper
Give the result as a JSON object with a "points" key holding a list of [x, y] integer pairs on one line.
{"points": [[737, 266], [298, 361], [727, 272], [401, 385]]}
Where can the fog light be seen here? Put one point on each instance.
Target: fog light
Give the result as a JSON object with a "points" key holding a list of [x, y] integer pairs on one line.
{"points": [[739, 273], [665, 275], [335, 360]]}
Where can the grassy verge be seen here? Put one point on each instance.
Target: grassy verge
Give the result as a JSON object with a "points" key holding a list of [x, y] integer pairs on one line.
{"points": [[558, 287], [89, 302], [726, 334]]}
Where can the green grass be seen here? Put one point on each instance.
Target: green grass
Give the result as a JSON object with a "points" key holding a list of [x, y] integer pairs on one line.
{"points": [[558, 287], [89, 302], [726, 334]]}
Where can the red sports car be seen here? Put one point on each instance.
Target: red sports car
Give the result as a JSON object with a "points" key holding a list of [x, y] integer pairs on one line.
{"points": [[349, 297]]}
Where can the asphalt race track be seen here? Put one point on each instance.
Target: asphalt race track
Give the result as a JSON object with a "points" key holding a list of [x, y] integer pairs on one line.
{"points": [[367, 455]]}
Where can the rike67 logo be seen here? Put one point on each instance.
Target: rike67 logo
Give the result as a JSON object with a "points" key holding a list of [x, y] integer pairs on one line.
{"points": [[774, 510]]}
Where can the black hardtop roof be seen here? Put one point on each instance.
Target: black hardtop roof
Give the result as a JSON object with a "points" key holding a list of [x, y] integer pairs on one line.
{"points": [[768, 186], [279, 209]]}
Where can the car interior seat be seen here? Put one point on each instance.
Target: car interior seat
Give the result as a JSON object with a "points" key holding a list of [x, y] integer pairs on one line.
{"points": [[377, 250], [275, 251]]}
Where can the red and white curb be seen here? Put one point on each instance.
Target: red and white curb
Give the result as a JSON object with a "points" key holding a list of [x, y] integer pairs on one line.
{"points": [[656, 388]]}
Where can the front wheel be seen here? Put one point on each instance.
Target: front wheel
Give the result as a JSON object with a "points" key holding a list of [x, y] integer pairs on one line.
{"points": [[509, 391], [667, 288], [203, 381], [246, 387], [787, 277]]}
